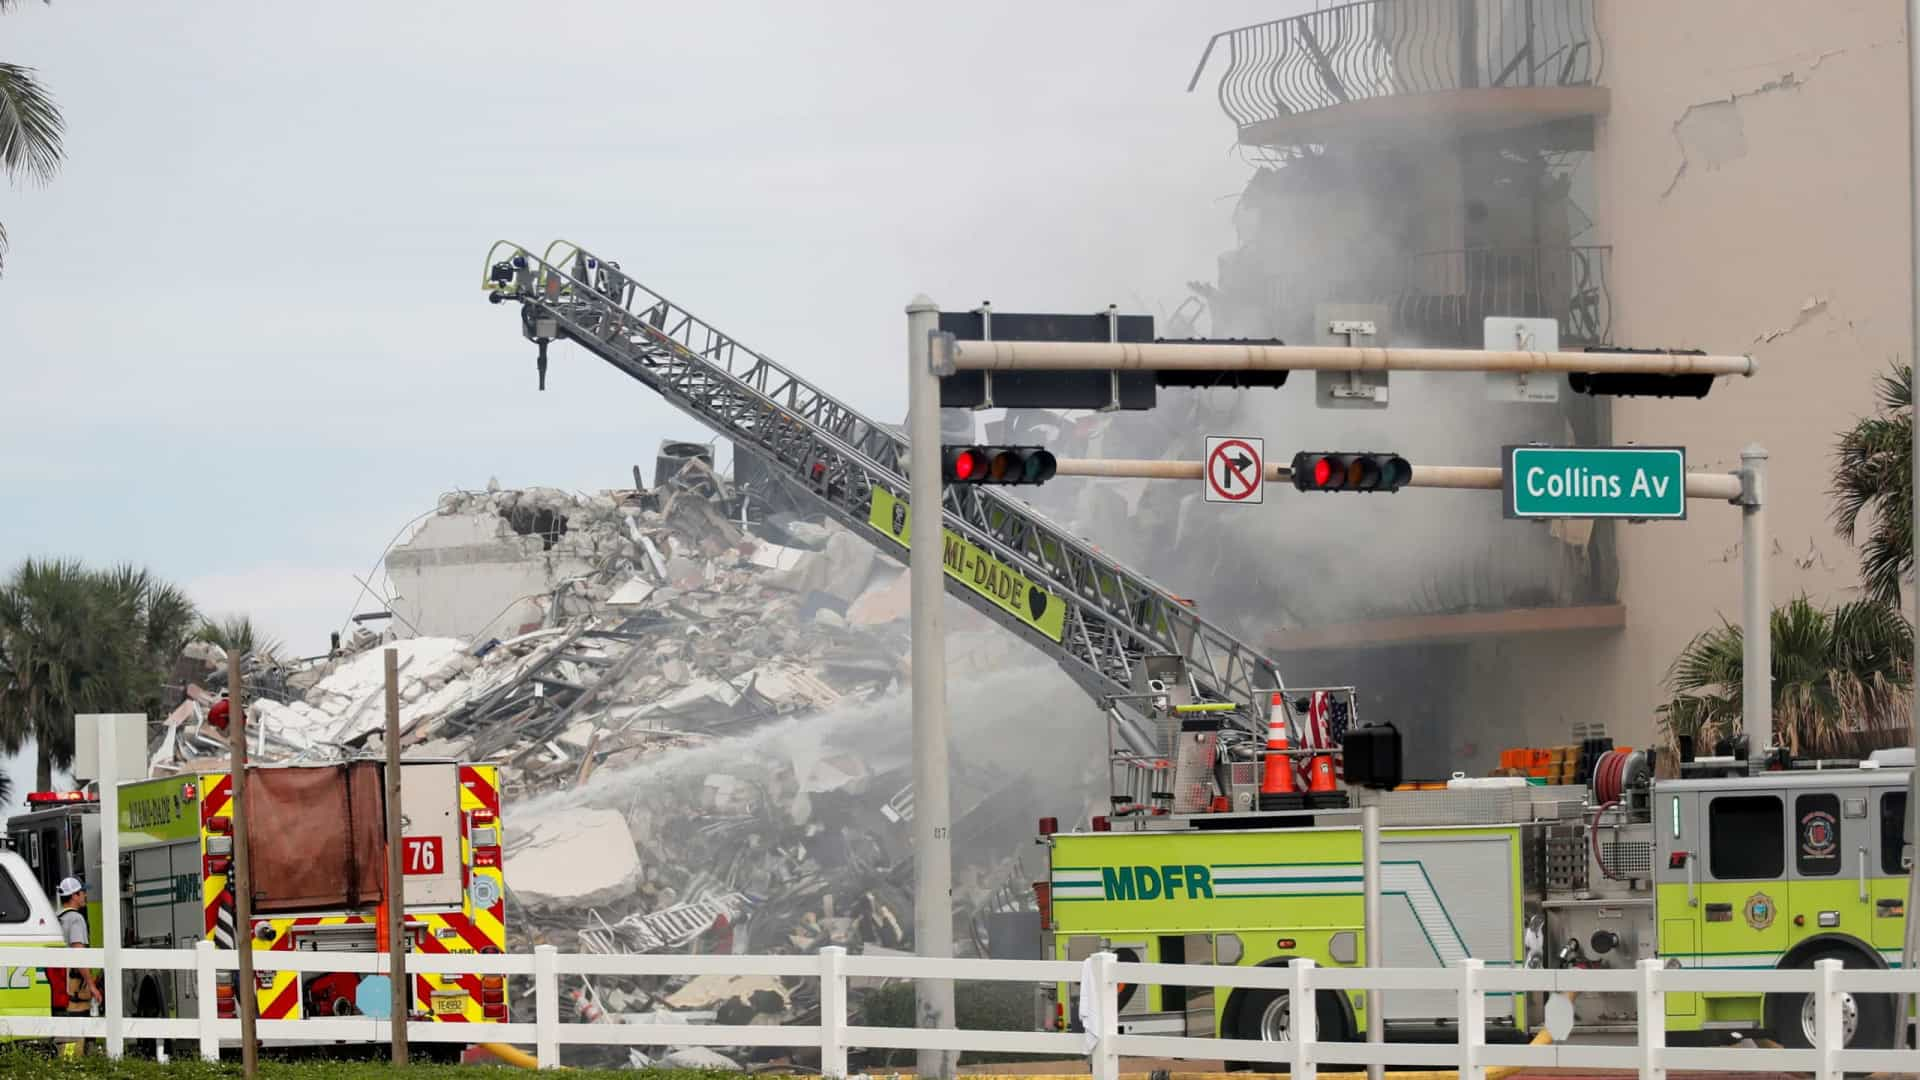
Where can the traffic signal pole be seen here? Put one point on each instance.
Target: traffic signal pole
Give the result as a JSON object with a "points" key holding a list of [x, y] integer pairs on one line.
{"points": [[932, 831], [1756, 660], [954, 355], [1719, 487], [1910, 945], [1744, 489]]}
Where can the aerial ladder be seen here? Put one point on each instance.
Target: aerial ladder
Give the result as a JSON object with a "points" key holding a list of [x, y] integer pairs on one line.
{"points": [[1140, 651]]}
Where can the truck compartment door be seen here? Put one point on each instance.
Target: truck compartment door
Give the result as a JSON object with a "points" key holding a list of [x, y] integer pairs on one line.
{"points": [[1886, 876], [1679, 935], [430, 834]]}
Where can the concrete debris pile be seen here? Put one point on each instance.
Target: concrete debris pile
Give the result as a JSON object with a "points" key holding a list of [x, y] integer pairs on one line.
{"points": [[669, 623], [697, 702]]}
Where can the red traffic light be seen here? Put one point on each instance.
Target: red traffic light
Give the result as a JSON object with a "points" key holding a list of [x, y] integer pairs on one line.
{"points": [[1365, 471], [997, 465], [965, 466]]}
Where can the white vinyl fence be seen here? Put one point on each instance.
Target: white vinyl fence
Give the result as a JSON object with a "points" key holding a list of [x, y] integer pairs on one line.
{"points": [[1471, 982]]}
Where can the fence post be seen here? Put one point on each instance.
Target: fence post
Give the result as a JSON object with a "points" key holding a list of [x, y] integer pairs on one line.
{"points": [[1303, 1018], [1827, 1032], [1106, 1057], [206, 992], [833, 1011], [546, 1006], [1653, 1021], [1473, 1019]]}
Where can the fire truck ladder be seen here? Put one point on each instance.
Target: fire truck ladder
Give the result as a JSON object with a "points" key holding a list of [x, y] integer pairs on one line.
{"points": [[1116, 619]]}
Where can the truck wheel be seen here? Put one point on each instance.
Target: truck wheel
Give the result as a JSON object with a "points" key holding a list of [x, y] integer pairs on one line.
{"points": [[1267, 1016], [1866, 1020]]}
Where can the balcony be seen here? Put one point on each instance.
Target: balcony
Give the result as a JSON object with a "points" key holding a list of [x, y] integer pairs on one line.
{"points": [[1395, 69], [1447, 294], [1438, 299]]}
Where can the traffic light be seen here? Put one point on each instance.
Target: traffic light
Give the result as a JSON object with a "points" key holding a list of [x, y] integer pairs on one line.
{"points": [[1639, 384], [1332, 471], [996, 465]]}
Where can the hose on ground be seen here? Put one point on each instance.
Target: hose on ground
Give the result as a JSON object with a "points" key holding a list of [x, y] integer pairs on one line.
{"points": [[512, 1055]]}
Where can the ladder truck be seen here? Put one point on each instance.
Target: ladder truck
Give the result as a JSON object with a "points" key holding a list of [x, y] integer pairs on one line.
{"points": [[1138, 649]]}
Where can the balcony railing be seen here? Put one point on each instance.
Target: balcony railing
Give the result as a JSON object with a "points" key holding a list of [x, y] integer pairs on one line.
{"points": [[1447, 294], [1438, 299], [1382, 48]]}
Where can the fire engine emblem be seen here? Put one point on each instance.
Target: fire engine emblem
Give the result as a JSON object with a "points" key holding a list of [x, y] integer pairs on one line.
{"points": [[1759, 911], [899, 518], [1817, 839]]}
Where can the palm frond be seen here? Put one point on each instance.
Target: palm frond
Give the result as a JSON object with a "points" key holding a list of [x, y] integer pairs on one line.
{"points": [[237, 633], [30, 126], [1873, 484], [1837, 672]]}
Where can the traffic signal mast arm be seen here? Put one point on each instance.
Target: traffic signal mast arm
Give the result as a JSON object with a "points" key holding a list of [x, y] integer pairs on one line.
{"points": [[1721, 487], [1233, 356], [853, 467]]}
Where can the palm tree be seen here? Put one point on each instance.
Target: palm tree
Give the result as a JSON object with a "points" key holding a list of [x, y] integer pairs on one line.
{"points": [[1838, 674], [1873, 476], [74, 640], [236, 633], [30, 128], [158, 621], [59, 655]]}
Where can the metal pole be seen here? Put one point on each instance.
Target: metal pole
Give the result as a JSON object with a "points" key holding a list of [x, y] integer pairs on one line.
{"points": [[932, 831], [1756, 713], [1910, 952], [1155, 356], [1370, 886], [1720, 487], [113, 1006], [396, 872], [245, 989]]}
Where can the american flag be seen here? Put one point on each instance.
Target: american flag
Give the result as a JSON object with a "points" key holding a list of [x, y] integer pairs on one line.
{"points": [[1327, 725]]}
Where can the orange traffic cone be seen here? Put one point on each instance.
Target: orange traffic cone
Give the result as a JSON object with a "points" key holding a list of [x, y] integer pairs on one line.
{"points": [[1320, 774], [1278, 777]]}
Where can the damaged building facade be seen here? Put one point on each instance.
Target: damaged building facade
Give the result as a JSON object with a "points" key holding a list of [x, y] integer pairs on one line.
{"points": [[1648, 175]]}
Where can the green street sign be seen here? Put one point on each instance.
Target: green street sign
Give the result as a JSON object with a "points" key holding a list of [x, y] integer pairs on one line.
{"points": [[1595, 482]]}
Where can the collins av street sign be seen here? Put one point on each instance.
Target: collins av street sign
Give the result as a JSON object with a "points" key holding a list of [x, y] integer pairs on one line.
{"points": [[1596, 482]]}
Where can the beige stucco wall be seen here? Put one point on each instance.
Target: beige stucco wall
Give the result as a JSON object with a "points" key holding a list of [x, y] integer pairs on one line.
{"points": [[1752, 178]]}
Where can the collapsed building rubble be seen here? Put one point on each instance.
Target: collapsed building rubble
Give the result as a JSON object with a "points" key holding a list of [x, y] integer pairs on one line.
{"points": [[701, 720]]}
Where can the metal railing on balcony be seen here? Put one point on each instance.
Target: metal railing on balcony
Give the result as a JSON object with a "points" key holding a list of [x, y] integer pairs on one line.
{"points": [[1381, 48], [1447, 294], [1440, 298]]}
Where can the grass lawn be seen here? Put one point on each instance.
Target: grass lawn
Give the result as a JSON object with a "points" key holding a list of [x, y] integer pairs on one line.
{"points": [[28, 1063]]}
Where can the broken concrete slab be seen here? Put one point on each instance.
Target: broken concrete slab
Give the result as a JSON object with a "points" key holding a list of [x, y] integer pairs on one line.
{"points": [[712, 991], [699, 1058], [886, 601], [584, 860], [841, 569], [634, 593]]}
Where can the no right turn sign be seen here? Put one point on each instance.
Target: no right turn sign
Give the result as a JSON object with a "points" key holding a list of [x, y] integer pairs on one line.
{"points": [[1235, 469]]}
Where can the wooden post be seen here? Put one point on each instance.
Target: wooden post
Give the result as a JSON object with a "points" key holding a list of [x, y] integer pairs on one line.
{"points": [[396, 872], [245, 989]]}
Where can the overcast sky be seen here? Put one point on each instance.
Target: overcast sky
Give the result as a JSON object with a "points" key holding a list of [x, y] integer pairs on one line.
{"points": [[245, 337]]}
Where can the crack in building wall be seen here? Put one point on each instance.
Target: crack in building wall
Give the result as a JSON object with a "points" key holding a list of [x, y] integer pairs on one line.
{"points": [[1714, 132]]}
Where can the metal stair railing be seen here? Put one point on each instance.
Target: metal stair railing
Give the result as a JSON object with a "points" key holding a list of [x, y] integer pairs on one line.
{"points": [[1115, 617]]}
